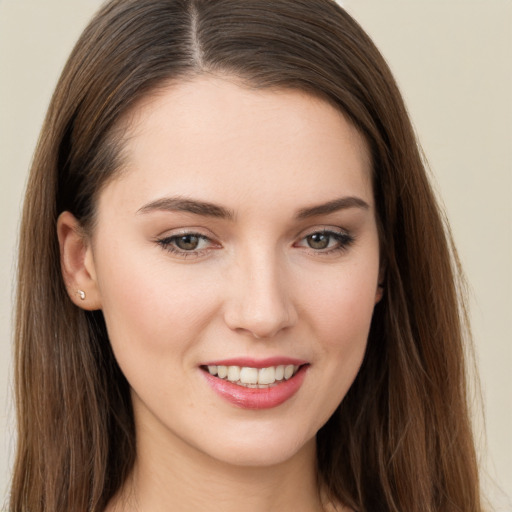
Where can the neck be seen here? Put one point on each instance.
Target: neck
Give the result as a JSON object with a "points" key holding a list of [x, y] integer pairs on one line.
{"points": [[185, 480]]}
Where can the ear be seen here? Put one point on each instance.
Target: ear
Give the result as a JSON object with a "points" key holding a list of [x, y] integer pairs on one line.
{"points": [[380, 285], [77, 263]]}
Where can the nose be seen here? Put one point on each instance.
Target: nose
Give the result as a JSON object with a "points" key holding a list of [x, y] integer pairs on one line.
{"points": [[259, 301]]}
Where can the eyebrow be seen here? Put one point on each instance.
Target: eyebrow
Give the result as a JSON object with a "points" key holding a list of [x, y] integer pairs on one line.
{"points": [[207, 209], [335, 205], [181, 204]]}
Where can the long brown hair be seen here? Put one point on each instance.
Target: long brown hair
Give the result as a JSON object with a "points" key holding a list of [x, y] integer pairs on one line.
{"points": [[401, 439]]}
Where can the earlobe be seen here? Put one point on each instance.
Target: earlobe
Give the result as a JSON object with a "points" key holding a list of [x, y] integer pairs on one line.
{"points": [[77, 263], [380, 287], [379, 293]]}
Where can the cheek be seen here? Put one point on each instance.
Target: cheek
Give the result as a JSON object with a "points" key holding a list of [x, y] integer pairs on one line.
{"points": [[344, 326], [342, 302], [148, 308], [340, 315]]}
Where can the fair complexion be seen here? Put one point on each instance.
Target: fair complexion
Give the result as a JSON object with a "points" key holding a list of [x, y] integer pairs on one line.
{"points": [[242, 231]]}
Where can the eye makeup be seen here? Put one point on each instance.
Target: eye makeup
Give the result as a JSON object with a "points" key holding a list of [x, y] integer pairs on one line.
{"points": [[321, 241]]}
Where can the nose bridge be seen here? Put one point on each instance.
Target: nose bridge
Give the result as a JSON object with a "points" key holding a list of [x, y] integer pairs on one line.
{"points": [[260, 302]]}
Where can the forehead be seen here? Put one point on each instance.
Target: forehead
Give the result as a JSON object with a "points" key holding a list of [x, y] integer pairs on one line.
{"points": [[214, 137]]}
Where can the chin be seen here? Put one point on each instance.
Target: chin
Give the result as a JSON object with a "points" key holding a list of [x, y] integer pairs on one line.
{"points": [[263, 450]]}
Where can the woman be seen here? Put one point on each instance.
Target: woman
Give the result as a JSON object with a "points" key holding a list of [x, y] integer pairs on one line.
{"points": [[235, 287]]}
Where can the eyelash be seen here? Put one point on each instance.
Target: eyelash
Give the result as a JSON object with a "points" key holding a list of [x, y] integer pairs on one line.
{"points": [[343, 242], [167, 244]]}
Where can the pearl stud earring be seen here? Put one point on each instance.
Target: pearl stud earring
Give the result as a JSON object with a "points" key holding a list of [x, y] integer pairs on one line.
{"points": [[81, 294]]}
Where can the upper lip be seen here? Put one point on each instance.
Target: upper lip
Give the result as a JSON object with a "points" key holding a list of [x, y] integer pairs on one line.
{"points": [[256, 363]]}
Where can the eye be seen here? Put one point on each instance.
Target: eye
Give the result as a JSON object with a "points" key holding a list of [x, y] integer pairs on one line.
{"points": [[186, 244], [319, 240], [326, 241]]}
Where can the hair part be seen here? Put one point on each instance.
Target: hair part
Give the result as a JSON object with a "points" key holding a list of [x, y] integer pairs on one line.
{"points": [[401, 439]]}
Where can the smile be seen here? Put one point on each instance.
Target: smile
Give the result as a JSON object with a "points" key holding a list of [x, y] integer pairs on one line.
{"points": [[254, 377], [250, 384]]}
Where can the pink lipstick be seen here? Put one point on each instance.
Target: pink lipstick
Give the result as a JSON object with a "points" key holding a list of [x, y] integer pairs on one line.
{"points": [[255, 384]]}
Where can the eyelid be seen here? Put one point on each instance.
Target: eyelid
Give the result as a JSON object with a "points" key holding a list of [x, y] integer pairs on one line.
{"points": [[327, 229], [187, 230], [345, 239], [165, 241]]}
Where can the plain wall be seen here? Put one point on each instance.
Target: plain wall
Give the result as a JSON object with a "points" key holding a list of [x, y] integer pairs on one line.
{"points": [[453, 62]]}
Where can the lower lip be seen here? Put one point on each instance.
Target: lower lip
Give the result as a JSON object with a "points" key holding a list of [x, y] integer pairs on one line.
{"points": [[257, 398]]}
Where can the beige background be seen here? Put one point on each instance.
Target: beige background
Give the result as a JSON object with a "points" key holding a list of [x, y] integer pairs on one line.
{"points": [[453, 61]]}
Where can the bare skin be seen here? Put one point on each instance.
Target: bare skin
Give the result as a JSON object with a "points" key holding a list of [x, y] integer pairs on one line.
{"points": [[242, 226]]}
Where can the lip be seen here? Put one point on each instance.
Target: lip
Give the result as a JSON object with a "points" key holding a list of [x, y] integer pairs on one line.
{"points": [[256, 398], [256, 363]]}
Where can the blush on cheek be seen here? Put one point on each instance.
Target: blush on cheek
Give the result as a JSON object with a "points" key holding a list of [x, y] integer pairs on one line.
{"points": [[154, 313], [350, 307], [345, 325]]}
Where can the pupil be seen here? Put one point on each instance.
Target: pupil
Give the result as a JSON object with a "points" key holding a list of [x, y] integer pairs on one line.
{"points": [[187, 242], [318, 241]]}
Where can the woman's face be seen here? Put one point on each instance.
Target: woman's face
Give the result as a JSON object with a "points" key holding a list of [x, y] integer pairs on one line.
{"points": [[240, 239]]}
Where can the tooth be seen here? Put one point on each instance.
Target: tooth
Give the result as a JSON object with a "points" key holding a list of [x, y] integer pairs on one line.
{"points": [[212, 369], [267, 375], [233, 373], [222, 372], [288, 371], [249, 375], [280, 372]]}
